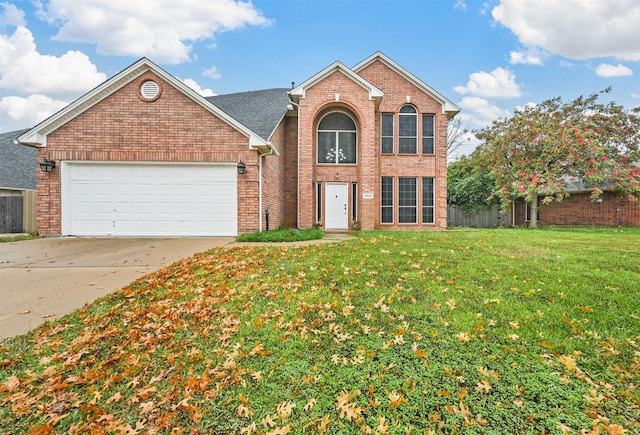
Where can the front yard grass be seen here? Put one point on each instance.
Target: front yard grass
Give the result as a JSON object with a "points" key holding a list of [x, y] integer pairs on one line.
{"points": [[473, 332]]}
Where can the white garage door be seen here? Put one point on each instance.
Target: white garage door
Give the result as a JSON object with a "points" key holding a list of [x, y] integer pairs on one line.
{"points": [[131, 199]]}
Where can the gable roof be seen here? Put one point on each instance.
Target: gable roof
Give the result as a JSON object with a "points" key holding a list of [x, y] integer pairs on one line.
{"points": [[300, 90], [18, 164], [447, 106], [37, 136], [261, 111]]}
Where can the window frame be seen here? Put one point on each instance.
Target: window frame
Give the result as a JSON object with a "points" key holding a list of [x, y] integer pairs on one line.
{"points": [[318, 202], [425, 201], [387, 115], [337, 134], [387, 196], [406, 201], [354, 201], [432, 137], [404, 117]]}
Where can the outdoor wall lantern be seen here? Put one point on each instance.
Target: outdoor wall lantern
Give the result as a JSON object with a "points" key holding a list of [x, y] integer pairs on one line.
{"points": [[47, 165], [242, 168]]}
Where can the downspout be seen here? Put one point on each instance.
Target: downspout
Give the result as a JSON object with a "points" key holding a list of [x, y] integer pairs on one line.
{"points": [[295, 106], [260, 156]]}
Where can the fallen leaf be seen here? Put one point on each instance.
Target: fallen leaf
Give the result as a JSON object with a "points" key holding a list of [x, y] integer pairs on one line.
{"points": [[396, 399], [310, 404], [451, 303], [568, 362], [483, 386]]}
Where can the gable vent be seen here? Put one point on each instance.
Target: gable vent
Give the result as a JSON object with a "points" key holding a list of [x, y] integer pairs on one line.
{"points": [[149, 90]]}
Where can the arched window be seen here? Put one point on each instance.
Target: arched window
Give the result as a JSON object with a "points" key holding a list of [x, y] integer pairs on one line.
{"points": [[408, 130], [337, 139]]}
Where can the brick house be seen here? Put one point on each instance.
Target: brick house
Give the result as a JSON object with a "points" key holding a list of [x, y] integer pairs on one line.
{"points": [[610, 210], [144, 155]]}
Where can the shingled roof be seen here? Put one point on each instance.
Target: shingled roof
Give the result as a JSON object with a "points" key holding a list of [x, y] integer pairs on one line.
{"points": [[260, 111], [17, 163]]}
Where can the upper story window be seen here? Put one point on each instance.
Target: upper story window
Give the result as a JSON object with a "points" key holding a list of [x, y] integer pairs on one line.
{"points": [[337, 139], [387, 133], [428, 134], [408, 130]]}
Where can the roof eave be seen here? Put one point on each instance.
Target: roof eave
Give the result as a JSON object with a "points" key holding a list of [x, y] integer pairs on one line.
{"points": [[300, 90], [448, 107], [37, 136]]}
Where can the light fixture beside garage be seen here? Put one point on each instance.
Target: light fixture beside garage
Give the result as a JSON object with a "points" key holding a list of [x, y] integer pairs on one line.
{"points": [[242, 168], [47, 165]]}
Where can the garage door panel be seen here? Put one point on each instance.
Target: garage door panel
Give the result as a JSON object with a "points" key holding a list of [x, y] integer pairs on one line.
{"points": [[149, 199]]}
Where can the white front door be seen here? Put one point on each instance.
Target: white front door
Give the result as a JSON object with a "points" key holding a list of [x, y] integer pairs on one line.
{"points": [[337, 206]]}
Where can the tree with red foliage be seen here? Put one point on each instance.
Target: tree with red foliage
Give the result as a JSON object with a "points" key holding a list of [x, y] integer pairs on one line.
{"points": [[544, 149]]}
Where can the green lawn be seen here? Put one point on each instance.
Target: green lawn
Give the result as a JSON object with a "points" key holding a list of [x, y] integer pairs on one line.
{"points": [[469, 332]]}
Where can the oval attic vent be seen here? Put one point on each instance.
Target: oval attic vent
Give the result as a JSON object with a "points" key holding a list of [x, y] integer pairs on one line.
{"points": [[149, 90]]}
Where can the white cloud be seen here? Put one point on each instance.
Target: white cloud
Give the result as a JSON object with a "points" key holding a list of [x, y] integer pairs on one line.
{"points": [[163, 30], [479, 112], [196, 87], [499, 83], [18, 112], [22, 69], [52, 81], [575, 29], [212, 73], [530, 56], [460, 4], [11, 15], [606, 70]]}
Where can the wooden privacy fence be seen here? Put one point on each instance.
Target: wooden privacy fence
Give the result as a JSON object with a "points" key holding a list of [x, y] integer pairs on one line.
{"points": [[489, 217], [18, 213]]}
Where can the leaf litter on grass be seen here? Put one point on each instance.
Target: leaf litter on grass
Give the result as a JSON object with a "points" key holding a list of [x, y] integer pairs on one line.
{"points": [[387, 334]]}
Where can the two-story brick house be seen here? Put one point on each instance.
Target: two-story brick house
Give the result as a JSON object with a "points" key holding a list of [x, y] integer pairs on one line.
{"points": [[144, 155]]}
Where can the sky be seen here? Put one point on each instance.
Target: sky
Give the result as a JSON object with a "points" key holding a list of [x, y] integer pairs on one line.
{"points": [[488, 57]]}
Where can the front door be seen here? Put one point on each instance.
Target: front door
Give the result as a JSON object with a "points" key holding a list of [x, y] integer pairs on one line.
{"points": [[337, 206]]}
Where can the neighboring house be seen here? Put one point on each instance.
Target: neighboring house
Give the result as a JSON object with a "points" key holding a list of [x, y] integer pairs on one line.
{"points": [[610, 210], [17, 184], [144, 155]]}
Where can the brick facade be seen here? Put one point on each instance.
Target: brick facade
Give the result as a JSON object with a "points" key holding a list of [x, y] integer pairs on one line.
{"points": [[126, 128], [611, 210], [174, 127]]}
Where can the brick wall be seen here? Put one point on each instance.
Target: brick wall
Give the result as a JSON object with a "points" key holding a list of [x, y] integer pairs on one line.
{"points": [[337, 92], [273, 175], [398, 92], [579, 210], [124, 127]]}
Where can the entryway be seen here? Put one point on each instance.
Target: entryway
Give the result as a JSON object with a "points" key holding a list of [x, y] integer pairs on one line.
{"points": [[337, 206]]}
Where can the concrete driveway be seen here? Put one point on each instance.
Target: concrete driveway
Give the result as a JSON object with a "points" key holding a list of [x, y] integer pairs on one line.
{"points": [[44, 279]]}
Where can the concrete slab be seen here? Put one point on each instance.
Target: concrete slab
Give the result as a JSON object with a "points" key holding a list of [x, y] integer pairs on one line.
{"points": [[44, 279]]}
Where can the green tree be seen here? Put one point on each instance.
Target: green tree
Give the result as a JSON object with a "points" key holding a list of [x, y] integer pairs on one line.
{"points": [[543, 149], [470, 186]]}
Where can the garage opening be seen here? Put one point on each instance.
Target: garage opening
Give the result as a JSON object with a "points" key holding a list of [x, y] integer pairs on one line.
{"points": [[149, 199]]}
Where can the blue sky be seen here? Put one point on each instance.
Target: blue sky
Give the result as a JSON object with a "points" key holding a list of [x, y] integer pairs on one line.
{"points": [[489, 57]]}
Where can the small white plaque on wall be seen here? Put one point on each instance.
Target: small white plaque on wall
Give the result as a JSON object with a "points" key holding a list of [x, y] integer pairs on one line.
{"points": [[367, 195]]}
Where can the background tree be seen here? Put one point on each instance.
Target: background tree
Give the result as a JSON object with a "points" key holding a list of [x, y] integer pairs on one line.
{"points": [[470, 186], [543, 149], [457, 136]]}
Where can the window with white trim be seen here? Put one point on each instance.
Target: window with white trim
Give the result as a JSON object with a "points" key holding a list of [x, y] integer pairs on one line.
{"points": [[318, 202], [354, 201], [387, 133], [386, 198], [337, 139], [428, 200], [408, 130], [407, 200], [428, 134]]}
